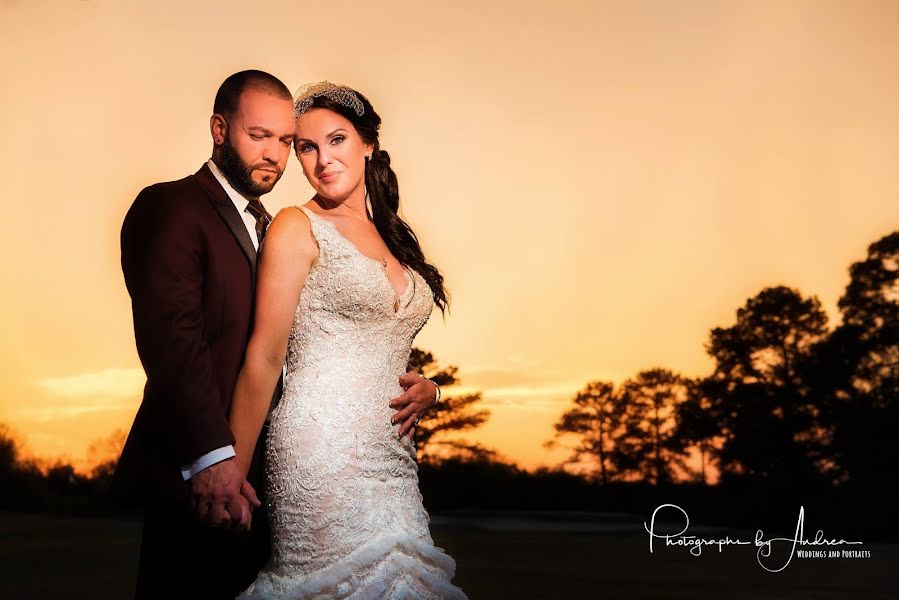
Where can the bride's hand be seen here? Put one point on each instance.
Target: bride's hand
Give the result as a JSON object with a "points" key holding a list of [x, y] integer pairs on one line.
{"points": [[418, 398]]}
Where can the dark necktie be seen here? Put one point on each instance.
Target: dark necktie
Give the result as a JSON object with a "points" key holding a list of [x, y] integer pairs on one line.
{"points": [[262, 217], [262, 221]]}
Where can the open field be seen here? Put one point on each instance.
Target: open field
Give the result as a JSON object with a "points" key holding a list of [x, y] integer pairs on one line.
{"points": [[516, 555]]}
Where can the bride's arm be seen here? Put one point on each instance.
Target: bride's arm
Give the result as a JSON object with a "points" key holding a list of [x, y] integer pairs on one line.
{"points": [[284, 262]]}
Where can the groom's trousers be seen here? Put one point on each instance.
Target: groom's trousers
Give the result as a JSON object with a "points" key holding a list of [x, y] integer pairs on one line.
{"points": [[182, 558]]}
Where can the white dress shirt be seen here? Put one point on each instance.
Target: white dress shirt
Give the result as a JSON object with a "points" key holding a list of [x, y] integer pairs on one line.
{"points": [[240, 202]]}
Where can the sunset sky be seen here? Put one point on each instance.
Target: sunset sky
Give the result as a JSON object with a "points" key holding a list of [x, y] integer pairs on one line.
{"points": [[601, 183]]}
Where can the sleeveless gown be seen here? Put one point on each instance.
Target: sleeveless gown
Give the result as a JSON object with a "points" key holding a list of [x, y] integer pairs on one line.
{"points": [[346, 511]]}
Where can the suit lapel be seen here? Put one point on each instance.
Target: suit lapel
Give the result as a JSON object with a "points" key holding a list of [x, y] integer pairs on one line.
{"points": [[229, 214]]}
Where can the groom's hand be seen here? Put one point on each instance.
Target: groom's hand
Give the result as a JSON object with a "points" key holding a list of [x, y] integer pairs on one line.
{"points": [[418, 398], [216, 494]]}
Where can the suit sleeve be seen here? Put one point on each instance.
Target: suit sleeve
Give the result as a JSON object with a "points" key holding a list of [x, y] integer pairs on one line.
{"points": [[163, 261]]}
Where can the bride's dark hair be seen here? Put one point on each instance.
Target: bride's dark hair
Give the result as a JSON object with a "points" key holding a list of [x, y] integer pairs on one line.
{"points": [[384, 193]]}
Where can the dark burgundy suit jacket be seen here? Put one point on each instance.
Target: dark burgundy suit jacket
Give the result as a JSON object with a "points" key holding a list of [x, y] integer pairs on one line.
{"points": [[189, 266]]}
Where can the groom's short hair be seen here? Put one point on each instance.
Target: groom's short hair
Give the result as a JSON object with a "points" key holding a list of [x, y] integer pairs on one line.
{"points": [[228, 96]]}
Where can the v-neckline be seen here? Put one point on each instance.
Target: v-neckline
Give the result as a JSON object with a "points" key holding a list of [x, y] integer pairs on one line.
{"points": [[406, 275]]}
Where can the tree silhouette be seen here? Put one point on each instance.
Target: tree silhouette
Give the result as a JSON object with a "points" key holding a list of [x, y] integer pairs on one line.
{"points": [[9, 452], [629, 431], [104, 454], [21, 481], [454, 413], [699, 422], [649, 445], [858, 373], [757, 396], [597, 416], [9, 468]]}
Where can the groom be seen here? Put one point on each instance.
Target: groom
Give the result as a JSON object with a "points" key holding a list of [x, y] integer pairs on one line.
{"points": [[189, 259]]}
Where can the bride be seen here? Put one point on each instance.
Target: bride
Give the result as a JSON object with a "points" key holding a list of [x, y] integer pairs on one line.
{"points": [[343, 290]]}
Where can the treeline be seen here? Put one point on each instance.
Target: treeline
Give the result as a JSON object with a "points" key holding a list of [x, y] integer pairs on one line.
{"points": [[790, 405], [794, 412], [463, 485], [28, 485]]}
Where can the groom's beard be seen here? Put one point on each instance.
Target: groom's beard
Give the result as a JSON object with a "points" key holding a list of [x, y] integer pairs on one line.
{"points": [[240, 174]]}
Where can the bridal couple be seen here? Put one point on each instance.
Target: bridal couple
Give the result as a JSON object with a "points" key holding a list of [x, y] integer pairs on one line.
{"points": [[273, 451]]}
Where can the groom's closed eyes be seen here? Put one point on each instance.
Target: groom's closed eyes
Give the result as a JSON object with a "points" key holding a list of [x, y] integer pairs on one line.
{"points": [[260, 133]]}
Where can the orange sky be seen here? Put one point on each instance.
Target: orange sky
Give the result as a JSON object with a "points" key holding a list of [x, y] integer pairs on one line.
{"points": [[601, 183]]}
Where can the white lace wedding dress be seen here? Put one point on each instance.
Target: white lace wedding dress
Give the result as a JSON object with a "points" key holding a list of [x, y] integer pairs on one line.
{"points": [[347, 514]]}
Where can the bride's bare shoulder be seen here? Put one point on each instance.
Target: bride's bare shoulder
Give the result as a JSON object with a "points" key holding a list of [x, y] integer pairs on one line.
{"points": [[291, 231]]}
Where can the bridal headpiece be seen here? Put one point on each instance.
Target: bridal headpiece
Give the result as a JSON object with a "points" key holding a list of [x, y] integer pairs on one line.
{"points": [[303, 97]]}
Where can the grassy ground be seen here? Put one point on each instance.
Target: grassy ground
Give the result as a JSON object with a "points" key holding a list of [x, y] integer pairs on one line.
{"points": [[499, 556]]}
